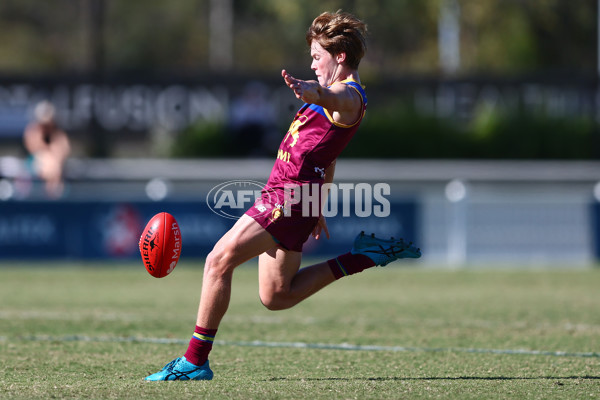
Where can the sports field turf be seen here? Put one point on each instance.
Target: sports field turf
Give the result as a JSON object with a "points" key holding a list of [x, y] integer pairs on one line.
{"points": [[94, 331]]}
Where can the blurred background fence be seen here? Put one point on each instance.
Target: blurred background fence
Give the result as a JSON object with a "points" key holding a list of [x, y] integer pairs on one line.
{"points": [[498, 213], [483, 119]]}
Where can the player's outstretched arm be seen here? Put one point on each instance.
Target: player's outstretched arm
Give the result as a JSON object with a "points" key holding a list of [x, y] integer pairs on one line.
{"points": [[307, 91], [339, 98]]}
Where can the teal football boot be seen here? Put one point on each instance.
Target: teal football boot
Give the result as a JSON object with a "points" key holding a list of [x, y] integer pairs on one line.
{"points": [[383, 251], [181, 369]]}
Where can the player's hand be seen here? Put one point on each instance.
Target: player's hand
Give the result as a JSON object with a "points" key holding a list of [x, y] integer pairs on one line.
{"points": [[307, 91], [321, 227]]}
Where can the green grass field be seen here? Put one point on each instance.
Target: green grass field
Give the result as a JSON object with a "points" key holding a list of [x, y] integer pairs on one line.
{"points": [[70, 332]]}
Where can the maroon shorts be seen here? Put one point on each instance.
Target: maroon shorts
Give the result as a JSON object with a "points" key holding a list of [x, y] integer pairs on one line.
{"points": [[287, 226]]}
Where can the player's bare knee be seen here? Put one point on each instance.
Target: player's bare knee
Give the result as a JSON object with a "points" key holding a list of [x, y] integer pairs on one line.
{"points": [[273, 304], [275, 300]]}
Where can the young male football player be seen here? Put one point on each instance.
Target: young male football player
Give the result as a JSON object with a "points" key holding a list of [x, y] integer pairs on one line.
{"points": [[272, 229]]}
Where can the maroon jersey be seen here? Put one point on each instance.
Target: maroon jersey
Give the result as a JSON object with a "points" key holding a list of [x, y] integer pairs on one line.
{"points": [[312, 143]]}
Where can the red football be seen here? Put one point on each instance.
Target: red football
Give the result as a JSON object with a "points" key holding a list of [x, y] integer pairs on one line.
{"points": [[160, 245]]}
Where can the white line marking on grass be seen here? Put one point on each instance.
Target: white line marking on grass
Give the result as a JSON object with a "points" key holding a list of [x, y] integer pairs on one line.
{"points": [[347, 346], [68, 316], [303, 345]]}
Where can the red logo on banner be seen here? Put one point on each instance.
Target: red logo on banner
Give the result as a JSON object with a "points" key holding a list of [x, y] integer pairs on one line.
{"points": [[121, 230]]}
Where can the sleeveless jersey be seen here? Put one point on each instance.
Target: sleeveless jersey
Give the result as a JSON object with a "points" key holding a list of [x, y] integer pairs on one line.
{"points": [[313, 141]]}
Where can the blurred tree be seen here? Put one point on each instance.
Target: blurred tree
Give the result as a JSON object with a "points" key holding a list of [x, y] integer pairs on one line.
{"points": [[38, 37], [156, 36], [564, 33], [522, 36]]}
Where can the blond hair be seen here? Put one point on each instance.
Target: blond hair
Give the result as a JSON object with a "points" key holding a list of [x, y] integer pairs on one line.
{"points": [[340, 32]]}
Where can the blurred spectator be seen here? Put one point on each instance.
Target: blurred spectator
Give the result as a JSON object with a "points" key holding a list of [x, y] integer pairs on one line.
{"points": [[48, 146]]}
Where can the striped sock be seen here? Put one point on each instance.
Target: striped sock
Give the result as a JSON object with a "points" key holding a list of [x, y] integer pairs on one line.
{"points": [[349, 264], [200, 345]]}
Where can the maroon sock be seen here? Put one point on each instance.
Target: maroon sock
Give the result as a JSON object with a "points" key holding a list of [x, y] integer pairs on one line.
{"points": [[200, 345], [348, 264]]}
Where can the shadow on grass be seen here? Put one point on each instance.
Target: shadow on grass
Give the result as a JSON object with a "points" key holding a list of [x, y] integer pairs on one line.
{"points": [[443, 378]]}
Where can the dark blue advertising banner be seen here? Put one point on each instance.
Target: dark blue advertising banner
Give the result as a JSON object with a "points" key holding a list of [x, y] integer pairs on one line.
{"points": [[105, 230]]}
